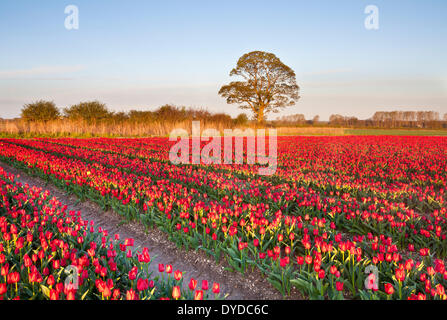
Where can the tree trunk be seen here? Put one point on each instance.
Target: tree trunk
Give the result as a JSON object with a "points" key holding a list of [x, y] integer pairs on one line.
{"points": [[261, 116]]}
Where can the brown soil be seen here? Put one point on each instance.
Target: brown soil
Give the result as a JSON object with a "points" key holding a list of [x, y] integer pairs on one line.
{"points": [[197, 265]]}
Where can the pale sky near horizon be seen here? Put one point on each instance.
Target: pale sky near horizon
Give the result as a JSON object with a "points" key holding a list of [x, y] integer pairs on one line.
{"points": [[143, 54]]}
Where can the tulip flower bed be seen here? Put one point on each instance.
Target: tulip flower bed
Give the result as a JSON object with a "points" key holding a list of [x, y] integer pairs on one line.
{"points": [[336, 207], [40, 241]]}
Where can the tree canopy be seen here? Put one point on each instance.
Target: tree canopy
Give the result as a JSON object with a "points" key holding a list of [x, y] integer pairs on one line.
{"points": [[40, 111], [90, 111], [268, 84]]}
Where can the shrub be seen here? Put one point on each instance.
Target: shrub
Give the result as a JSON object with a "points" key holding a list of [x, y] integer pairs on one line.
{"points": [[40, 111], [89, 111], [241, 119]]}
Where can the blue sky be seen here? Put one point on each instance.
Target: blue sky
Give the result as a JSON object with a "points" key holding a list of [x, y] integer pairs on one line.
{"points": [[142, 54]]}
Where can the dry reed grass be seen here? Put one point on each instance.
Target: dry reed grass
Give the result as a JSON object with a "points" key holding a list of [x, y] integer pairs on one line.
{"points": [[80, 128]]}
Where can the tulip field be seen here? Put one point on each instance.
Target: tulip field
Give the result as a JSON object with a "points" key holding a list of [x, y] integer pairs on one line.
{"points": [[349, 217], [40, 238]]}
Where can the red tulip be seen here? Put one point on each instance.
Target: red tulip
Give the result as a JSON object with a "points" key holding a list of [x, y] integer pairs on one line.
{"points": [[34, 277], [440, 290], [13, 277], [59, 287], [308, 259], [133, 273], [91, 252], [71, 295], [216, 288], [50, 280], [145, 255], [192, 284], [100, 285], [142, 284], [177, 275], [424, 252], [116, 294], [321, 274], [176, 292], [129, 242], [400, 275], [389, 289], [54, 295], [56, 264], [3, 288], [198, 295], [27, 261], [421, 296], [431, 271], [131, 295], [333, 269]]}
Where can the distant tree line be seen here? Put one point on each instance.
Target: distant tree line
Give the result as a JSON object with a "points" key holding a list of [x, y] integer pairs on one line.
{"points": [[296, 120], [380, 119], [95, 111], [339, 120], [394, 119], [421, 119]]}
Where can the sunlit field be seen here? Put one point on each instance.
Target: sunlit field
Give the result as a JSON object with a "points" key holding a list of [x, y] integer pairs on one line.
{"points": [[342, 218]]}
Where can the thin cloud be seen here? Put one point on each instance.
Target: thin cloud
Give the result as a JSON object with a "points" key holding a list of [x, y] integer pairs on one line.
{"points": [[39, 71]]}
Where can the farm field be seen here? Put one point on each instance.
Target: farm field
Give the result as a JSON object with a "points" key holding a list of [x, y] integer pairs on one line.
{"points": [[395, 132], [344, 217], [41, 241]]}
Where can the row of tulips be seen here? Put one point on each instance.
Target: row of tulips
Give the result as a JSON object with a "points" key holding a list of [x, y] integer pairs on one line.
{"points": [[260, 234], [49, 253]]}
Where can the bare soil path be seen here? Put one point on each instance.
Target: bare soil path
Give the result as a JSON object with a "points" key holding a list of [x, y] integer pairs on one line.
{"points": [[197, 265]]}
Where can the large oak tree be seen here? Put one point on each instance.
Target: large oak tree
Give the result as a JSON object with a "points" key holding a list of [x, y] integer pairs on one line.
{"points": [[268, 85]]}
